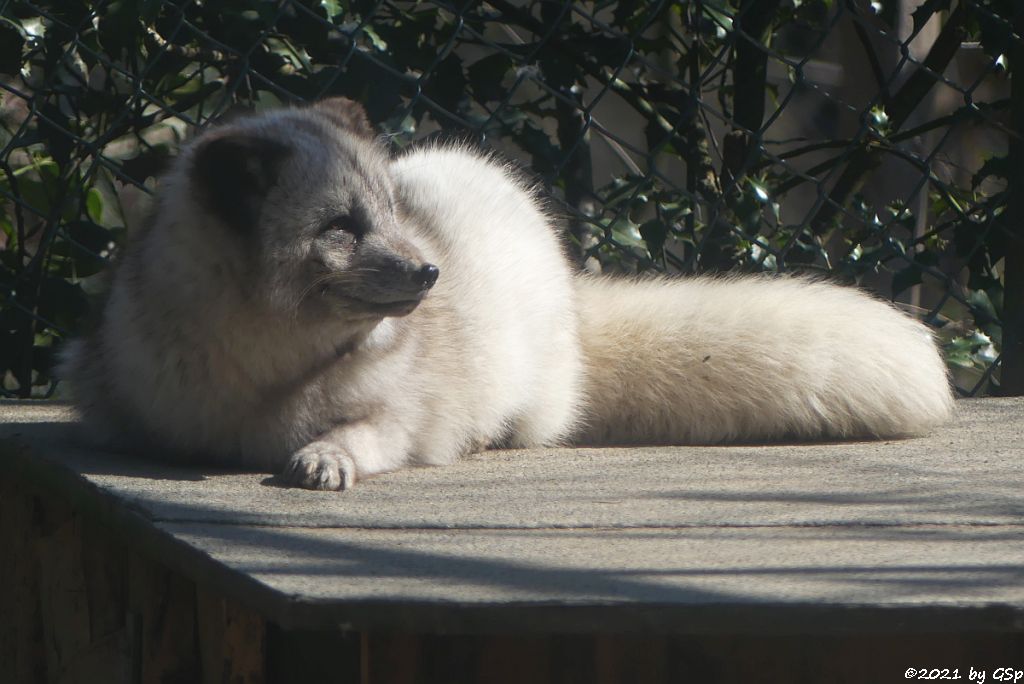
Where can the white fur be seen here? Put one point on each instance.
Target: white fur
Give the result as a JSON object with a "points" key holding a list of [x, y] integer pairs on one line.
{"points": [[197, 357], [709, 360], [508, 281]]}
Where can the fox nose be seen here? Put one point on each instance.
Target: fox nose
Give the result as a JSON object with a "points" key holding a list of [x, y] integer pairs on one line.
{"points": [[426, 276]]}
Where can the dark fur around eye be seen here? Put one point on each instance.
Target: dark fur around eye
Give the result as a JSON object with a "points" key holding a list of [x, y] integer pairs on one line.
{"points": [[347, 224]]}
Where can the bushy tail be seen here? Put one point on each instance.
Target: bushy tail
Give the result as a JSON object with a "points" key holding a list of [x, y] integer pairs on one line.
{"points": [[711, 360]]}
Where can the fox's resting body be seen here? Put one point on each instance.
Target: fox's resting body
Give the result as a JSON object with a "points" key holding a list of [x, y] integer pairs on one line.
{"points": [[282, 313]]}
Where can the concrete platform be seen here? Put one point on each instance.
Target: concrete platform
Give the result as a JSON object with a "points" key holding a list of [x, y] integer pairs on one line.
{"points": [[905, 537]]}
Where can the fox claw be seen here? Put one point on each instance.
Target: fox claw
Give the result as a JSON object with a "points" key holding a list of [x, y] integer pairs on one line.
{"points": [[320, 465]]}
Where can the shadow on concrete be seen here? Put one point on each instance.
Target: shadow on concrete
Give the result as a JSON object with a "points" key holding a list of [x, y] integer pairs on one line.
{"points": [[652, 567]]}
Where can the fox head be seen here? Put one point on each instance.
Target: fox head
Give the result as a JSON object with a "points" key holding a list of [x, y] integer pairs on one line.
{"points": [[305, 199]]}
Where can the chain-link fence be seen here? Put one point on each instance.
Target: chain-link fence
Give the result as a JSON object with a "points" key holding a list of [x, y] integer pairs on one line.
{"points": [[876, 142]]}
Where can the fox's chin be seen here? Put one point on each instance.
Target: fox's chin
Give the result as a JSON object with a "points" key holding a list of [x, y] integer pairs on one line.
{"points": [[337, 304], [386, 310]]}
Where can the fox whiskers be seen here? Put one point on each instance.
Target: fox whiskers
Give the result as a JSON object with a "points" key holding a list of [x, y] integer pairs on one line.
{"points": [[323, 281]]}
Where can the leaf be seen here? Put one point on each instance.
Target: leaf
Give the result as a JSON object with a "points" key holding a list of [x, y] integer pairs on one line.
{"points": [[996, 32], [150, 162], [375, 39], [545, 154], [91, 236], [486, 76], [447, 83], [119, 27], [202, 94], [993, 166], [626, 232], [760, 191], [654, 232], [333, 8], [973, 351], [61, 302], [906, 278], [982, 307], [624, 10], [94, 205], [925, 11], [11, 43], [54, 126], [558, 72]]}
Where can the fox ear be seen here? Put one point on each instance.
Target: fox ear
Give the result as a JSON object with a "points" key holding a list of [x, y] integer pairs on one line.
{"points": [[232, 173], [347, 114]]}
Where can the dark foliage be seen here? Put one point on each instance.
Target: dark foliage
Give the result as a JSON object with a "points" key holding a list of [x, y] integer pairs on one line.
{"points": [[683, 136]]}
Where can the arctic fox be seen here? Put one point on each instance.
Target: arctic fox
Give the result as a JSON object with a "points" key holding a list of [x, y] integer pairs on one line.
{"points": [[306, 304]]}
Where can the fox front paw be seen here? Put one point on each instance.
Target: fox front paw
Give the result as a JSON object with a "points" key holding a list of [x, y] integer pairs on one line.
{"points": [[320, 465]]}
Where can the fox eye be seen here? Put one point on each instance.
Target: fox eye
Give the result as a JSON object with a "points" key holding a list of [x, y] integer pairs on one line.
{"points": [[346, 227]]}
